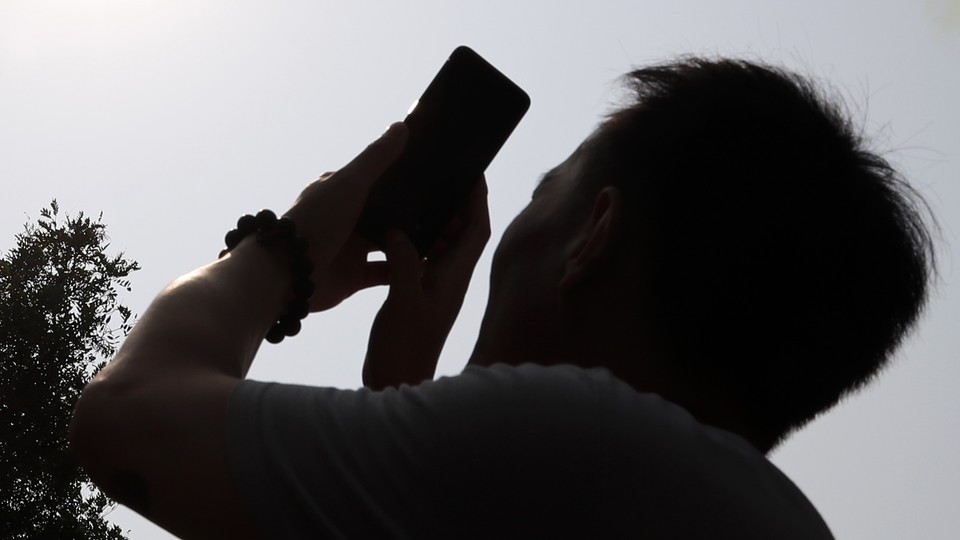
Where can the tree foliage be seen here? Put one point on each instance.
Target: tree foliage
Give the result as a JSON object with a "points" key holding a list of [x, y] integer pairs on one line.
{"points": [[60, 319]]}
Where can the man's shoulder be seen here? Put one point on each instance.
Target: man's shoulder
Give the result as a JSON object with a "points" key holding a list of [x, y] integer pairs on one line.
{"points": [[651, 453]]}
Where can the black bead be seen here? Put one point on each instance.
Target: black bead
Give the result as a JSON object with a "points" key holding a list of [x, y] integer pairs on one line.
{"points": [[303, 288], [247, 224], [233, 238], [299, 245], [290, 325], [275, 334], [266, 220], [299, 308], [286, 227], [302, 267]]}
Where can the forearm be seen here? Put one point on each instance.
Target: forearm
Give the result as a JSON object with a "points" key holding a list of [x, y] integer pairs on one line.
{"points": [[149, 428], [211, 320]]}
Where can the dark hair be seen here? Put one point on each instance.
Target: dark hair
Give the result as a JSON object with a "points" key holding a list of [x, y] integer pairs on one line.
{"points": [[784, 259]]}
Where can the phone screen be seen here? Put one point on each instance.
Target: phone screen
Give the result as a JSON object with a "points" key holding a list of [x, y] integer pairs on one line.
{"points": [[455, 129]]}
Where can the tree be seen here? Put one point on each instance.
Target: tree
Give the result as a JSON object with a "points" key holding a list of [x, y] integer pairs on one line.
{"points": [[60, 319]]}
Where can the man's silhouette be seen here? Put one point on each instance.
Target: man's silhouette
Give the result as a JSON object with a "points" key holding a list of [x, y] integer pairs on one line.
{"points": [[721, 261]]}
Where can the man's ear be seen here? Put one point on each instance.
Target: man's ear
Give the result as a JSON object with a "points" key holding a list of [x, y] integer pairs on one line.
{"points": [[594, 247]]}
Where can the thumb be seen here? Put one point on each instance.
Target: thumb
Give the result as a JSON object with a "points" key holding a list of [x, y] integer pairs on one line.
{"points": [[376, 158], [329, 208]]}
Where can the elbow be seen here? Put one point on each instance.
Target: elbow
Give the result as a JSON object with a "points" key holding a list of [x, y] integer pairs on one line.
{"points": [[99, 435], [89, 435], [99, 446]]}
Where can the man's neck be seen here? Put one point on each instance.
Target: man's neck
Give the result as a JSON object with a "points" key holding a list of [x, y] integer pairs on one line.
{"points": [[636, 366]]}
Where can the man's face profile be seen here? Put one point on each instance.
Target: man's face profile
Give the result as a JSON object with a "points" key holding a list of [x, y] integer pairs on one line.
{"points": [[528, 264]]}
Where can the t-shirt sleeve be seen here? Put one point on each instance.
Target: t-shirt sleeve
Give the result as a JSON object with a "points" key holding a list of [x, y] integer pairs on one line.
{"points": [[457, 457]]}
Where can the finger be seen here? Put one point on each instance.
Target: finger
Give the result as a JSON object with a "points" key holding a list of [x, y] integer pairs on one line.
{"points": [[474, 221], [405, 265], [376, 158], [452, 231], [373, 274], [475, 212], [457, 260]]}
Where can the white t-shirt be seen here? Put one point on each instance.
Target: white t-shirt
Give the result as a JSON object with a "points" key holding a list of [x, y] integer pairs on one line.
{"points": [[501, 452]]}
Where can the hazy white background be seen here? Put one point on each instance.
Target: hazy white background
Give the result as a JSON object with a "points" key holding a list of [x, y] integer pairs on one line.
{"points": [[175, 117]]}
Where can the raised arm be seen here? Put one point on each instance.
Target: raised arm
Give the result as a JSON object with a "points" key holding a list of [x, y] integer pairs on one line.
{"points": [[150, 427]]}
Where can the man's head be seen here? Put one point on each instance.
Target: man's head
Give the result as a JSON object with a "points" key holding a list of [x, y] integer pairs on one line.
{"points": [[732, 218]]}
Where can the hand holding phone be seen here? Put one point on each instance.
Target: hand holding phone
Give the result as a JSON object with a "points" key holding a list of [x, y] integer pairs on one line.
{"points": [[455, 129]]}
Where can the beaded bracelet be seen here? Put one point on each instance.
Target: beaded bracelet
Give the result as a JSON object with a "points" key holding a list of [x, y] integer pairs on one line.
{"points": [[272, 231]]}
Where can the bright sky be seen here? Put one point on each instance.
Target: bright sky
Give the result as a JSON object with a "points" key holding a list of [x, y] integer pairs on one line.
{"points": [[174, 117]]}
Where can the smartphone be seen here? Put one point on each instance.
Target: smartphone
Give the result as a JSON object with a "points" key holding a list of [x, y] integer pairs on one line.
{"points": [[455, 129]]}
